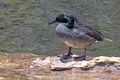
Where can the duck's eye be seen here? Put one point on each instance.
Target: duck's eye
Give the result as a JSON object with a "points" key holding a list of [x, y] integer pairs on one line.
{"points": [[65, 19]]}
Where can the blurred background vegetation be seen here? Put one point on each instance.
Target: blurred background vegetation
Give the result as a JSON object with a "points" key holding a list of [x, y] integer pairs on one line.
{"points": [[24, 28]]}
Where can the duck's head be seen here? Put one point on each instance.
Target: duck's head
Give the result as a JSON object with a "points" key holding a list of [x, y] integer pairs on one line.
{"points": [[63, 18]]}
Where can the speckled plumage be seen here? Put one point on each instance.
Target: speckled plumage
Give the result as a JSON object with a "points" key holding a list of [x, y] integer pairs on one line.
{"points": [[80, 36], [76, 35]]}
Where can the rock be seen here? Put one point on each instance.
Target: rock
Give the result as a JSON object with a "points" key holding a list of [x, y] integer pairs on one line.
{"points": [[118, 78], [27, 66], [58, 63], [107, 59]]}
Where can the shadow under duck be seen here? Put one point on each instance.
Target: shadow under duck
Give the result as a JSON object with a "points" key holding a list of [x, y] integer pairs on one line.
{"points": [[76, 35]]}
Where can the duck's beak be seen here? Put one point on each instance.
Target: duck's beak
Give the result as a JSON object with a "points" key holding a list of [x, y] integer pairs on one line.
{"points": [[53, 21]]}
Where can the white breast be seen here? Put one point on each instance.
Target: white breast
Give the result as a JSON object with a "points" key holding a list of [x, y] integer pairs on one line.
{"points": [[61, 28]]}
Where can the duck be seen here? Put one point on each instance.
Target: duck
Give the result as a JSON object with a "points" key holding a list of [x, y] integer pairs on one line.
{"points": [[76, 35]]}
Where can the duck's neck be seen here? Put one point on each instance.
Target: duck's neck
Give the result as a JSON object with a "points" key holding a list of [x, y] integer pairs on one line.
{"points": [[70, 23]]}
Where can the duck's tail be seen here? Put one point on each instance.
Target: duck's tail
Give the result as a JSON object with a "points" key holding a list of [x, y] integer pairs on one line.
{"points": [[107, 40]]}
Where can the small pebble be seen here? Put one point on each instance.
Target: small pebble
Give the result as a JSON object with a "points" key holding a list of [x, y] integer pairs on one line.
{"points": [[31, 67]]}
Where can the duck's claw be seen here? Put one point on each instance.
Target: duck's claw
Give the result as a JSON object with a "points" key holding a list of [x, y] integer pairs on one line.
{"points": [[65, 56], [80, 58]]}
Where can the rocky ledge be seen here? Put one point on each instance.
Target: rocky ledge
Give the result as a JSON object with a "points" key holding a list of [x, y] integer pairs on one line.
{"points": [[27, 66], [57, 63]]}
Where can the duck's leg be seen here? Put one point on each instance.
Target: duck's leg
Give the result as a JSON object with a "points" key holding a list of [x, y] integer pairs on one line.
{"points": [[69, 52], [68, 55], [85, 50], [81, 57]]}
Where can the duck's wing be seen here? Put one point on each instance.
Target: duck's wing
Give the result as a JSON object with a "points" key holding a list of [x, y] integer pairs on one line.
{"points": [[91, 32]]}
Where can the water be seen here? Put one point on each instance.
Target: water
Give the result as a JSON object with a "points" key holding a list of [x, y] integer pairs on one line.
{"points": [[24, 28]]}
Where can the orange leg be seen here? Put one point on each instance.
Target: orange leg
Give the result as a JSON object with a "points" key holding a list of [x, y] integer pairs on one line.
{"points": [[80, 58], [67, 56]]}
